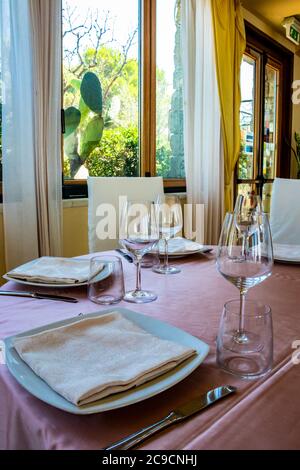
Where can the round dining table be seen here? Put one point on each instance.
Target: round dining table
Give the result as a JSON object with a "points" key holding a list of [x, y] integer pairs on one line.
{"points": [[264, 413]]}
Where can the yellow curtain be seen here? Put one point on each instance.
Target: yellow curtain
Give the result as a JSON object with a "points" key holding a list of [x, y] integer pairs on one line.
{"points": [[230, 43]]}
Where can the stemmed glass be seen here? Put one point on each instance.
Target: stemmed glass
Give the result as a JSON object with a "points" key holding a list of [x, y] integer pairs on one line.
{"points": [[247, 213], [245, 258], [138, 235], [169, 216]]}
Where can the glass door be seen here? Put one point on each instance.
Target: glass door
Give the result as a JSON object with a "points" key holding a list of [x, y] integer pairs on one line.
{"points": [[264, 116]]}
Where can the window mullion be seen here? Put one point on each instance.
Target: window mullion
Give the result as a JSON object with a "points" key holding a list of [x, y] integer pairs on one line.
{"points": [[148, 88]]}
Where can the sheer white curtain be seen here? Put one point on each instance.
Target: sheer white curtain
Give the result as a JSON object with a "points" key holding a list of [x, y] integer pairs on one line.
{"points": [[31, 129], [202, 119], [19, 194]]}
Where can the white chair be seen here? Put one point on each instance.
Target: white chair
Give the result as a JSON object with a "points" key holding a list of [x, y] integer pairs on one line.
{"points": [[106, 196], [285, 211]]}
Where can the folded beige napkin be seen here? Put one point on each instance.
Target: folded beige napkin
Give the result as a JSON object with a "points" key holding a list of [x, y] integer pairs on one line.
{"points": [[288, 252], [96, 357], [53, 270], [179, 245]]}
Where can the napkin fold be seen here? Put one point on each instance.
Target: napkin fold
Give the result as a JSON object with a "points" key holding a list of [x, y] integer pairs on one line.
{"points": [[53, 270], [96, 357], [179, 245]]}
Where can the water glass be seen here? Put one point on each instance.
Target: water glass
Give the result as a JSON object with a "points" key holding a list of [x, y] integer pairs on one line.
{"points": [[255, 360], [106, 280]]}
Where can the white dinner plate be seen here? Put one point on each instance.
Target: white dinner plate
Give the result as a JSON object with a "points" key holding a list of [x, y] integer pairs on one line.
{"points": [[103, 275], [37, 387], [286, 253]]}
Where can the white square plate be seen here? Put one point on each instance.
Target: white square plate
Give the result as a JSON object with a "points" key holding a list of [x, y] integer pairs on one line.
{"points": [[37, 387]]}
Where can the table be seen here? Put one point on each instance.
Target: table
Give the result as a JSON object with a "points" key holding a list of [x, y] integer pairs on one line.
{"points": [[264, 414]]}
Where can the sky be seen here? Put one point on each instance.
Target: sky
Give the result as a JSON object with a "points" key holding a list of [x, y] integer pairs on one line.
{"points": [[125, 14]]}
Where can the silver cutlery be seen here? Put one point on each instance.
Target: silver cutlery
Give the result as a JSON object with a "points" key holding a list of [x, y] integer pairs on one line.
{"points": [[37, 295], [175, 416], [125, 255]]}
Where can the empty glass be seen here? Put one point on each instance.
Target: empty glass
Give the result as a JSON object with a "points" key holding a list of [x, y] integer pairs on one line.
{"points": [[231, 356], [106, 280], [245, 258], [138, 235], [169, 216]]}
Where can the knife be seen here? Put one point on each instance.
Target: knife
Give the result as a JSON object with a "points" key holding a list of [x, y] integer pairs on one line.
{"points": [[175, 416], [125, 255], [37, 295]]}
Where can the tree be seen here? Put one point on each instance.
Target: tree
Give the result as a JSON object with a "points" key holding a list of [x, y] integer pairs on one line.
{"points": [[176, 112]]}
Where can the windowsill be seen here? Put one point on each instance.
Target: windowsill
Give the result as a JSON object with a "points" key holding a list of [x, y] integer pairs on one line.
{"points": [[80, 202], [83, 202]]}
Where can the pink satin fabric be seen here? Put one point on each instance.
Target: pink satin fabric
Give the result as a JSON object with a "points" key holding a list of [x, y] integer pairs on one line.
{"points": [[264, 414]]}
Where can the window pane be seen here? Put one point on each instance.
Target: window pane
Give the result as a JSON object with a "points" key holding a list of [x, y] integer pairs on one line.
{"points": [[246, 160], [270, 128], [0, 111], [246, 189], [169, 108], [101, 88]]}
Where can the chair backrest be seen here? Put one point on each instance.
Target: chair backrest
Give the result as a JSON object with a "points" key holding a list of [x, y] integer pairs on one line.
{"points": [[285, 211], [105, 192]]}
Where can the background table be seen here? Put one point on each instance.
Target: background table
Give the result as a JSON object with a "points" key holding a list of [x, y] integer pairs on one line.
{"points": [[264, 414]]}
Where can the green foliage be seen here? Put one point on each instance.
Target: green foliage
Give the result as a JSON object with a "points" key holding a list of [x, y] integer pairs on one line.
{"points": [[82, 128], [117, 154], [72, 120], [91, 136], [244, 164], [163, 160], [91, 92]]}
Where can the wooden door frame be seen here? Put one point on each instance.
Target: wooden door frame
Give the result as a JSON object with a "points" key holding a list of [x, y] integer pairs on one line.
{"points": [[271, 49]]}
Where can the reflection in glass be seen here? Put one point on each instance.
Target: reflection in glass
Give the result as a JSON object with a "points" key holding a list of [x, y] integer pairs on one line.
{"points": [[246, 159], [169, 97], [270, 127]]}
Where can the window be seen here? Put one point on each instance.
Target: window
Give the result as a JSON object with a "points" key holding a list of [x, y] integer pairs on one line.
{"points": [[266, 75], [122, 91], [0, 125]]}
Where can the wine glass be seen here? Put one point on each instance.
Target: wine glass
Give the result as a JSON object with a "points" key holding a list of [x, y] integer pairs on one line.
{"points": [[245, 263], [138, 235], [169, 216]]}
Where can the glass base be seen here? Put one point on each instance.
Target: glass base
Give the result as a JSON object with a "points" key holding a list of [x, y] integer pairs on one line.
{"points": [[245, 367], [105, 300], [140, 297], [243, 342], [166, 269]]}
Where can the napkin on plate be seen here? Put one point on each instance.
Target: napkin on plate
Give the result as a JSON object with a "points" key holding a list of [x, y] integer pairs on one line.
{"points": [[179, 245], [96, 357], [53, 270]]}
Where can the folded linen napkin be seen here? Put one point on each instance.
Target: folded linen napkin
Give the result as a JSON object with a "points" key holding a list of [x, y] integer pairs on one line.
{"points": [[96, 357], [288, 252], [53, 270], [179, 245]]}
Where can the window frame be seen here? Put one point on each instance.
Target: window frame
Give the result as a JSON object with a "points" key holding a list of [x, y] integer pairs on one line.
{"points": [[73, 189], [271, 52]]}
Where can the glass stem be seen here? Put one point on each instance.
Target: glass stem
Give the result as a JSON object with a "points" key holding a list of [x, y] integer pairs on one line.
{"points": [[244, 246], [166, 260], [242, 312], [138, 275]]}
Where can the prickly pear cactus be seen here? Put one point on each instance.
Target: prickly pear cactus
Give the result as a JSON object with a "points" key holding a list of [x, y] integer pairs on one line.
{"points": [[84, 126]]}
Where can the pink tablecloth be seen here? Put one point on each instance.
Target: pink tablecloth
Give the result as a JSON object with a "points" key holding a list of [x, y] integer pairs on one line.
{"points": [[264, 414]]}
